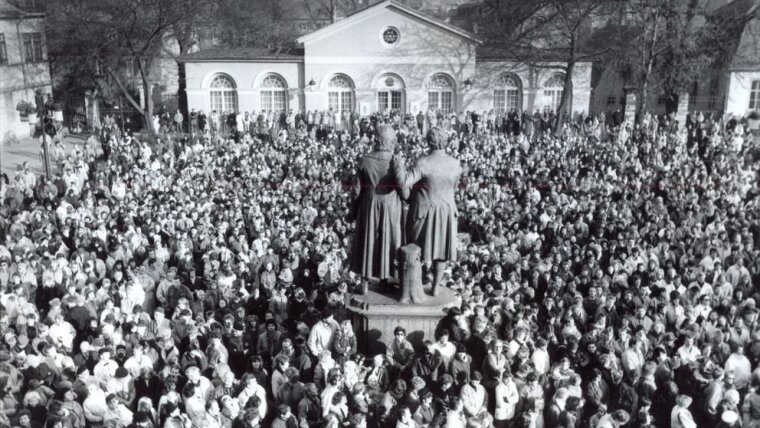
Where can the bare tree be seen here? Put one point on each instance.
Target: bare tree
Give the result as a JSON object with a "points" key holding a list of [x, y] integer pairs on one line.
{"points": [[124, 37], [557, 34]]}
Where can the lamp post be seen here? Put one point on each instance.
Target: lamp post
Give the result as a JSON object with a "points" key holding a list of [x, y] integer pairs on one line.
{"points": [[45, 114]]}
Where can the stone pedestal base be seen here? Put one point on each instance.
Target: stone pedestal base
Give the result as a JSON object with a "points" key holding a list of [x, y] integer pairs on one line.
{"points": [[376, 314]]}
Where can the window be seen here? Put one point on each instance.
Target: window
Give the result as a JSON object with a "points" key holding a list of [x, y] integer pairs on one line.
{"points": [[33, 47], [389, 101], [661, 99], [441, 93], [553, 89], [506, 97], [223, 94], [611, 100], [341, 93], [3, 50], [274, 94], [754, 96], [391, 36]]}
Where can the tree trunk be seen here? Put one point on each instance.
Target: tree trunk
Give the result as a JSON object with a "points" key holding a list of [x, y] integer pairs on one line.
{"points": [[643, 97], [644, 93], [182, 92], [567, 93], [148, 111]]}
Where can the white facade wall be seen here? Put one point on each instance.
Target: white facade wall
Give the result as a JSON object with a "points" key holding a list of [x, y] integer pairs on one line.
{"points": [[18, 79], [247, 77], [354, 47], [738, 95]]}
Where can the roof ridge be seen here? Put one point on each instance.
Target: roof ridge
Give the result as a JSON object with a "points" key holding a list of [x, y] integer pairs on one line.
{"points": [[9, 9]]}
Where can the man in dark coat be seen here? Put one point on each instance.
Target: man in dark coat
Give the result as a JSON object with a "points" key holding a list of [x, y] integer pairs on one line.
{"points": [[429, 366], [432, 219], [377, 211]]}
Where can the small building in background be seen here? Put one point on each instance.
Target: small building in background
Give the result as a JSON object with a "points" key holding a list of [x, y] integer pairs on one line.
{"points": [[24, 67]]}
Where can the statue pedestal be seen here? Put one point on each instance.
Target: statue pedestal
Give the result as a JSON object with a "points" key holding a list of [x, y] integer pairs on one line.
{"points": [[376, 314]]}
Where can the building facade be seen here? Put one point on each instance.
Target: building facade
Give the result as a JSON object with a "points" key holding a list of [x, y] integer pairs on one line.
{"points": [[388, 56], [24, 67]]}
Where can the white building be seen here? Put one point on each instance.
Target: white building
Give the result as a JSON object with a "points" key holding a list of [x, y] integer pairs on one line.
{"points": [[742, 74], [387, 56], [23, 66]]}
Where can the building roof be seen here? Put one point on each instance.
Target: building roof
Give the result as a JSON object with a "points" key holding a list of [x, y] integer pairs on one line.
{"points": [[742, 18], [8, 11], [494, 53], [747, 55], [243, 54], [388, 4]]}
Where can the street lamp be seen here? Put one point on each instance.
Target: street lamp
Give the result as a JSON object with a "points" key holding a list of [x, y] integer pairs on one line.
{"points": [[311, 84], [48, 113], [467, 85]]}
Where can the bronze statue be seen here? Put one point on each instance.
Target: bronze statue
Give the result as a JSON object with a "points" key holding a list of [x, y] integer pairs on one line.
{"points": [[377, 210], [432, 218]]}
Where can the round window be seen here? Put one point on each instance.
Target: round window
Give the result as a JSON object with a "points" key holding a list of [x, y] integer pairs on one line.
{"points": [[390, 82], [391, 36]]}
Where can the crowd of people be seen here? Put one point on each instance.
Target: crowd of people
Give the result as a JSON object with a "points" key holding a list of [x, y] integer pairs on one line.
{"points": [[610, 278]]}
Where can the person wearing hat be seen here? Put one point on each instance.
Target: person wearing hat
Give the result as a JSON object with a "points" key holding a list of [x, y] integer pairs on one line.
{"points": [[429, 366], [461, 365], [105, 370], [451, 323]]}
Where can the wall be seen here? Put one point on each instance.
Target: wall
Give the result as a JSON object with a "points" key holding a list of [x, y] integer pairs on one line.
{"points": [[739, 86], [247, 75], [355, 48], [532, 80], [18, 80]]}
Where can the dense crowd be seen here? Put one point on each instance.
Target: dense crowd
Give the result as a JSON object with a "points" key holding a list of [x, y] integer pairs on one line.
{"points": [[609, 278]]}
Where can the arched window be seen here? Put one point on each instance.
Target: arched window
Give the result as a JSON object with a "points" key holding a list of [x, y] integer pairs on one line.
{"points": [[754, 96], [391, 93], [441, 93], [553, 88], [223, 94], [507, 95], [274, 94], [340, 93]]}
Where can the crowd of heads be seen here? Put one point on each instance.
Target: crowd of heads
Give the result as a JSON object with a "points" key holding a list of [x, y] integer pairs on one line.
{"points": [[608, 277]]}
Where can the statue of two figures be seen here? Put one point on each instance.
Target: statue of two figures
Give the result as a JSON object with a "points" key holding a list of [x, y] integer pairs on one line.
{"points": [[429, 233]]}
